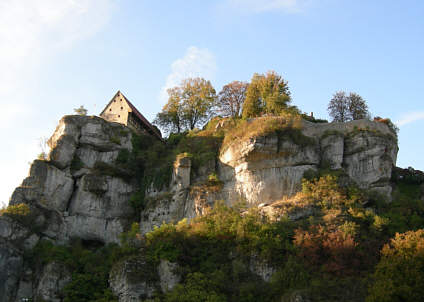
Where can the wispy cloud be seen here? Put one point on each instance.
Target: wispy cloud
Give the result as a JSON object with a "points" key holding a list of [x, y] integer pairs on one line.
{"points": [[255, 6], [410, 118], [196, 62], [36, 29]]}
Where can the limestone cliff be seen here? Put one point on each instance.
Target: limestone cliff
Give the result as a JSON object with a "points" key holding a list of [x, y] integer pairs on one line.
{"points": [[80, 191], [266, 168], [69, 195]]}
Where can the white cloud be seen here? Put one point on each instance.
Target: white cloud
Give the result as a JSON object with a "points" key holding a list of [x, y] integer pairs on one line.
{"points": [[255, 6], [195, 63], [36, 29], [410, 118]]}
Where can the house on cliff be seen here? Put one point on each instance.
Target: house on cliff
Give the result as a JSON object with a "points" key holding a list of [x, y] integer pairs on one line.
{"points": [[121, 110]]}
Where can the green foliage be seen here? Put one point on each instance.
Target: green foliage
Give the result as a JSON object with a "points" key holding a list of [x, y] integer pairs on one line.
{"points": [[196, 288], [89, 267], [76, 163], [293, 275], [102, 168], [266, 94], [123, 157], [400, 273], [20, 212], [15, 211], [189, 105], [287, 126], [206, 247]]}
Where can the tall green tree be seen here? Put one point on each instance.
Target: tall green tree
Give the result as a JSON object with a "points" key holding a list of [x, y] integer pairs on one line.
{"points": [[189, 105], [267, 94], [170, 119], [198, 97]]}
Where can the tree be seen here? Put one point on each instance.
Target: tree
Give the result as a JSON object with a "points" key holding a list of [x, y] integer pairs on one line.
{"points": [[170, 119], [189, 105], [267, 94], [343, 108], [81, 110], [338, 107], [231, 99], [198, 98], [358, 109], [399, 275]]}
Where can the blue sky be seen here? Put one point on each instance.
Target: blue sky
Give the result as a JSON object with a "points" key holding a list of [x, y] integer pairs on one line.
{"points": [[58, 55]]}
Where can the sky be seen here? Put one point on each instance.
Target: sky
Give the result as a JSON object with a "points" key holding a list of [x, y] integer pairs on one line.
{"points": [[58, 55]]}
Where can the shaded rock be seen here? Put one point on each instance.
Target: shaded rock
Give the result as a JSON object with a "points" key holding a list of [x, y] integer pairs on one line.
{"points": [[89, 156], [52, 280], [261, 268], [11, 262], [25, 289], [167, 275], [332, 148], [132, 280]]}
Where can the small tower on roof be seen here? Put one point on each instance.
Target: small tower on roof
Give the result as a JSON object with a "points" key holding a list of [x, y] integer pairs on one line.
{"points": [[121, 110]]}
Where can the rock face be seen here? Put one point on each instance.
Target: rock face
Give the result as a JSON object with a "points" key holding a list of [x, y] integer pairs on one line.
{"points": [[267, 168], [72, 187], [131, 280], [80, 191], [53, 279], [69, 195], [263, 169]]}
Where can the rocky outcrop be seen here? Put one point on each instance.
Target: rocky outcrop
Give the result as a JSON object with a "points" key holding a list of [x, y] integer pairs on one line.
{"points": [[68, 196], [76, 197], [266, 168], [81, 191]]}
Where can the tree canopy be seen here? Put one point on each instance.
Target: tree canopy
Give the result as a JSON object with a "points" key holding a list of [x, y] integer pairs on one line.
{"points": [[189, 105], [231, 99], [343, 107], [267, 94]]}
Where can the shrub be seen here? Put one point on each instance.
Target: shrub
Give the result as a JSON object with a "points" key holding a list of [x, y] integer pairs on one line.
{"points": [[399, 275], [335, 250], [16, 211], [89, 268], [20, 212], [196, 288]]}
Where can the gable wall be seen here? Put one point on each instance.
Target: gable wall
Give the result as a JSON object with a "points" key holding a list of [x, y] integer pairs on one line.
{"points": [[117, 111]]}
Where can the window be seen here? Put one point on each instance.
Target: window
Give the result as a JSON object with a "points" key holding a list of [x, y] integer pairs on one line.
{"points": [[122, 108], [119, 115], [110, 109]]}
